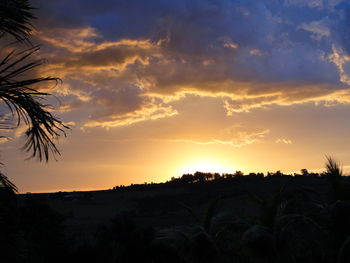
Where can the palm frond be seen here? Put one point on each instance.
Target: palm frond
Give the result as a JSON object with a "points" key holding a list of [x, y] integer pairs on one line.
{"points": [[175, 233], [272, 205], [205, 221], [258, 244], [25, 104], [208, 216], [191, 211], [7, 184], [334, 175], [333, 168], [343, 253], [15, 17], [299, 238]]}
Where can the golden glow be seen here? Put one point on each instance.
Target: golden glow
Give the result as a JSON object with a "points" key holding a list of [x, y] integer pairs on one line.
{"points": [[206, 166]]}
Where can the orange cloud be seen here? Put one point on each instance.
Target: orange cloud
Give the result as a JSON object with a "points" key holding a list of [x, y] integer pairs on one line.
{"points": [[235, 136], [101, 75], [342, 62], [148, 112], [284, 141]]}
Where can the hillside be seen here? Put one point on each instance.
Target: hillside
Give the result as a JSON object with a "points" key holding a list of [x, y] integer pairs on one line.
{"points": [[164, 205]]}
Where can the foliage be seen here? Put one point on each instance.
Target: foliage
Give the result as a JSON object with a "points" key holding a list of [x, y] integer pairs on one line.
{"points": [[340, 186], [25, 102], [287, 223], [15, 19], [31, 231], [7, 185], [18, 92]]}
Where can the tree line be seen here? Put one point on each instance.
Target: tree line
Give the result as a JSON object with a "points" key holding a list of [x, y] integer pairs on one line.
{"points": [[207, 177]]}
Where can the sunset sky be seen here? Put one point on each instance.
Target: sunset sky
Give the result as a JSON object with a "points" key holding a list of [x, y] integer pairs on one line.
{"points": [[154, 89]]}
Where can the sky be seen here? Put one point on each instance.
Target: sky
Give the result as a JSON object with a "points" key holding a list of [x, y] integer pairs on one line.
{"points": [[154, 89]]}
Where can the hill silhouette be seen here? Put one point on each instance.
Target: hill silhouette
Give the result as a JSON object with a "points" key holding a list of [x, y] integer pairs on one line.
{"points": [[201, 217]]}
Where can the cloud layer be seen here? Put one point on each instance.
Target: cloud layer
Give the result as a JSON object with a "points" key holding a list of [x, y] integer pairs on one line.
{"points": [[127, 62]]}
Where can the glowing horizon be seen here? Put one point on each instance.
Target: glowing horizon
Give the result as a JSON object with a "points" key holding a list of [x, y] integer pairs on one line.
{"points": [[217, 86]]}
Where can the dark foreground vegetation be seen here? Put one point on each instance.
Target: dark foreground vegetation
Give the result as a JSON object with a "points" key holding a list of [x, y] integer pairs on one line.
{"points": [[274, 218], [196, 218]]}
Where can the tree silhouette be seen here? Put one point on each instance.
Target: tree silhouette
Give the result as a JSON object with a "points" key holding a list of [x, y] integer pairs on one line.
{"points": [[17, 91]]}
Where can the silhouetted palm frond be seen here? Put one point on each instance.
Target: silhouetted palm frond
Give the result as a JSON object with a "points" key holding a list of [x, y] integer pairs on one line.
{"points": [[343, 253], [7, 184], [334, 175], [207, 218], [25, 104], [15, 16], [272, 205], [258, 244], [209, 214], [300, 239], [333, 167]]}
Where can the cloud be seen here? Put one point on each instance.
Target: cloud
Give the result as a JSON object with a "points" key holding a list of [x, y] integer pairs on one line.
{"points": [[284, 141], [317, 28], [256, 54], [4, 139], [71, 39], [342, 61], [301, 3], [148, 112], [235, 136]]}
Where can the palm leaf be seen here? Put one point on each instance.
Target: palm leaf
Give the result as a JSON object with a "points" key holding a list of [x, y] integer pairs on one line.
{"points": [[25, 104], [333, 167], [208, 216], [191, 211], [299, 238], [334, 175], [15, 17], [343, 253], [7, 184], [204, 221]]}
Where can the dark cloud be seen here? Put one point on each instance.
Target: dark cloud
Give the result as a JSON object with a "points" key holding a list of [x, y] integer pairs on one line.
{"points": [[106, 57], [195, 28], [119, 101], [124, 50]]}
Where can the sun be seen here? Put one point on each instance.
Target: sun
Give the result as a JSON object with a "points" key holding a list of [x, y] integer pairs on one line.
{"points": [[206, 167]]}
